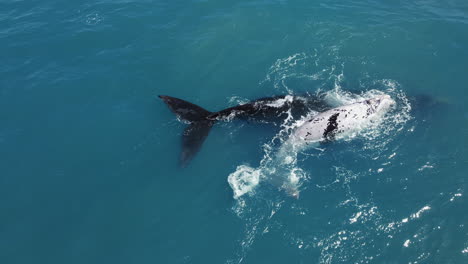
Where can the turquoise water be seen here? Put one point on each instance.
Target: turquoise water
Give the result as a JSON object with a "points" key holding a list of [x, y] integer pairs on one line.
{"points": [[88, 153]]}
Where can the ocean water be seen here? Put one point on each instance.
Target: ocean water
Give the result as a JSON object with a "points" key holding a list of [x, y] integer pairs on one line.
{"points": [[89, 155]]}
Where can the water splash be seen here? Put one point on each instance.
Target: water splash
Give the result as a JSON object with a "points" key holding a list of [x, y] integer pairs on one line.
{"points": [[243, 180], [256, 192]]}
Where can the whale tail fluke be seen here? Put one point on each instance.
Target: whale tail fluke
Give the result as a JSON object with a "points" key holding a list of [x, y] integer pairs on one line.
{"points": [[199, 126], [185, 110]]}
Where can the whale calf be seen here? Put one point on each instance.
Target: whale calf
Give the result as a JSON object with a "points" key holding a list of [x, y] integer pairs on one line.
{"points": [[342, 121]]}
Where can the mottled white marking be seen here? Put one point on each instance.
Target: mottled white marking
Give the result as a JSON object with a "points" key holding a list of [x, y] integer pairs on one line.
{"points": [[349, 119]]}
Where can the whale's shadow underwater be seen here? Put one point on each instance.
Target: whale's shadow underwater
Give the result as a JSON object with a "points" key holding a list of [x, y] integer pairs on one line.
{"points": [[327, 124]]}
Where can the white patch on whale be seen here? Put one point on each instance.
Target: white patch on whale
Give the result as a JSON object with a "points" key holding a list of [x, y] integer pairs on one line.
{"points": [[349, 119]]}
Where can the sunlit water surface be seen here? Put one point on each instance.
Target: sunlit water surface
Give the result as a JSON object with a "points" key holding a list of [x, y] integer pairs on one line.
{"points": [[89, 155]]}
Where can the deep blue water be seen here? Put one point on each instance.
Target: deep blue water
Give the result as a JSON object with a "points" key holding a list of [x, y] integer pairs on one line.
{"points": [[88, 153]]}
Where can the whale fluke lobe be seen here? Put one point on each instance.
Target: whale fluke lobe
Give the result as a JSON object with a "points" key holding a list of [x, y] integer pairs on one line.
{"points": [[195, 134], [185, 110], [192, 139]]}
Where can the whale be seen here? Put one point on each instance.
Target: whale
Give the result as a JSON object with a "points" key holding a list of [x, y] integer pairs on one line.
{"points": [[329, 124], [274, 110]]}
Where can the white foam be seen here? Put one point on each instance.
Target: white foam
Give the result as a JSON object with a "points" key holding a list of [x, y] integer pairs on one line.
{"points": [[407, 242], [280, 102], [418, 213], [243, 180], [454, 196], [426, 166], [355, 218]]}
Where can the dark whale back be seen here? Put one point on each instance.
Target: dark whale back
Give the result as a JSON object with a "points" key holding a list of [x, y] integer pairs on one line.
{"points": [[272, 109]]}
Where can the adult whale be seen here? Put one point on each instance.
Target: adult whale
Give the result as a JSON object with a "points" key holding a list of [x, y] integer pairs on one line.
{"points": [[270, 109]]}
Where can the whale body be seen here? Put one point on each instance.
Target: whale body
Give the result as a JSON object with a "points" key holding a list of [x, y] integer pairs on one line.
{"points": [[342, 121], [329, 124]]}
